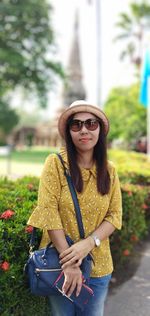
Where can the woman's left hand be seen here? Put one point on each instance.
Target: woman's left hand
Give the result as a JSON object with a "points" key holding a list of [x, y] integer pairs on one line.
{"points": [[75, 254]]}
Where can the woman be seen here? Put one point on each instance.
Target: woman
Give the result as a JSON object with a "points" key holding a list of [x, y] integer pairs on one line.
{"points": [[84, 128]]}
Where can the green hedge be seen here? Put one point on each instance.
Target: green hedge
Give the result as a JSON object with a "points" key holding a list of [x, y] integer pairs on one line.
{"points": [[136, 214], [15, 299], [19, 198], [132, 167]]}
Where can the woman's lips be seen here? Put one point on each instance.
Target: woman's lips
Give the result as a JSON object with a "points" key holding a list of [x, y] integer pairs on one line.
{"points": [[84, 140]]}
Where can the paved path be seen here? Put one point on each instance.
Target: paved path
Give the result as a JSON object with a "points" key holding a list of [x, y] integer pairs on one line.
{"points": [[16, 170], [132, 298]]}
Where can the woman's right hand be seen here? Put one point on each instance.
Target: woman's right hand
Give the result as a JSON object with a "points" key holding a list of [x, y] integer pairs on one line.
{"points": [[73, 280]]}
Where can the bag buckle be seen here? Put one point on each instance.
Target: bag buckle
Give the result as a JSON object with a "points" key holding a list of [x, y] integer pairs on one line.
{"points": [[31, 250]]}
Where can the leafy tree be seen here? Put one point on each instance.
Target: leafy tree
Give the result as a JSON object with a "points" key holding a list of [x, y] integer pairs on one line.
{"points": [[127, 116], [27, 55], [8, 119], [28, 118], [133, 27]]}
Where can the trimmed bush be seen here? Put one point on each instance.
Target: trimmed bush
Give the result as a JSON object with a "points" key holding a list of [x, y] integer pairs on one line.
{"points": [[17, 201], [132, 167], [135, 222]]}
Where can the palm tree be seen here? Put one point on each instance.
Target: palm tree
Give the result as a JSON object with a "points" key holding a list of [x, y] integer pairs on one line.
{"points": [[134, 26]]}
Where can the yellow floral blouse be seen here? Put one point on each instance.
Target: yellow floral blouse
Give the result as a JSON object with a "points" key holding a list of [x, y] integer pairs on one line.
{"points": [[55, 209]]}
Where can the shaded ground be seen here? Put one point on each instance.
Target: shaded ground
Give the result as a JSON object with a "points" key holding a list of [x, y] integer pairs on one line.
{"points": [[129, 293]]}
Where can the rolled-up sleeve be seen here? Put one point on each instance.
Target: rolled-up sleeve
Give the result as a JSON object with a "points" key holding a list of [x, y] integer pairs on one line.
{"points": [[46, 214], [114, 214]]}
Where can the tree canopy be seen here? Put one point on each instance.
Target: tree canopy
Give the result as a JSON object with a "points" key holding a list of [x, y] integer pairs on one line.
{"points": [[8, 119], [127, 116], [27, 41], [132, 26]]}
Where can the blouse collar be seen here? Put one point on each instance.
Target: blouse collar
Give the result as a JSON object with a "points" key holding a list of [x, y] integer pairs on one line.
{"points": [[85, 172]]}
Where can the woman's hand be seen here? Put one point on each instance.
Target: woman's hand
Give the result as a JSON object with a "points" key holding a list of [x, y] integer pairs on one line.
{"points": [[73, 280], [75, 254]]}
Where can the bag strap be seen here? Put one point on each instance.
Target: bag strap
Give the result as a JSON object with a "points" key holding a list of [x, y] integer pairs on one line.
{"points": [[32, 240], [75, 199]]}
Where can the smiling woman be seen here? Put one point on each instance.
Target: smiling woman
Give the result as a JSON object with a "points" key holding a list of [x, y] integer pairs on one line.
{"points": [[83, 127]]}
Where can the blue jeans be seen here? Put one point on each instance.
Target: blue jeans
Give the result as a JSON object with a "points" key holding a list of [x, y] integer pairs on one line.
{"points": [[61, 306]]}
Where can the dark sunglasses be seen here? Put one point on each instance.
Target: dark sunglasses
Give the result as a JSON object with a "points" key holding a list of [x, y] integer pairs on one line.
{"points": [[90, 124]]}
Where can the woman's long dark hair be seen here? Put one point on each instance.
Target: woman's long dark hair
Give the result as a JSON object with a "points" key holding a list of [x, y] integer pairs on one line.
{"points": [[100, 157]]}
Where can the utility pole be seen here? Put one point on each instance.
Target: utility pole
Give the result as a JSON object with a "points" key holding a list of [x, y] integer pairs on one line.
{"points": [[98, 54]]}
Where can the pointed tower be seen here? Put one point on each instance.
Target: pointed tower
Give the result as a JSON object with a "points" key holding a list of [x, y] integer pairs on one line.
{"points": [[74, 88]]}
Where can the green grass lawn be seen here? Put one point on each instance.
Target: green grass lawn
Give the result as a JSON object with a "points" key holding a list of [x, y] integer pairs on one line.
{"points": [[33, 155]]}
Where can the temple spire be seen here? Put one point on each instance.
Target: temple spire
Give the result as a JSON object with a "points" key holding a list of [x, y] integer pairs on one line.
{"points": [[74, 88]]}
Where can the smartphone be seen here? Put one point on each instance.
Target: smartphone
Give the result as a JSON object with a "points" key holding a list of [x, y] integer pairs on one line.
{"points": [[85, 294]]}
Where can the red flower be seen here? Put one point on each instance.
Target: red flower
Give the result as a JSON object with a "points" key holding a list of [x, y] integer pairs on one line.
{"points": [[5, 266], [126, 252], [7, 214], [134, 238], [30, 186], [29, 229], [145, 206], [129, 193]]}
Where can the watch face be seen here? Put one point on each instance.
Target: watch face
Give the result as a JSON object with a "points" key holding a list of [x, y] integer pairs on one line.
{"points": [[97, 241]]}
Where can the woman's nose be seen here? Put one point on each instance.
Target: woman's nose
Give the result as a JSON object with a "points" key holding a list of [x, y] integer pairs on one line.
{"points": [[83, 129]]}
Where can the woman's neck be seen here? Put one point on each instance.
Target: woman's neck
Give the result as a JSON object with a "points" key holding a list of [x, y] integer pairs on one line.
{"points": [[85, 160]]}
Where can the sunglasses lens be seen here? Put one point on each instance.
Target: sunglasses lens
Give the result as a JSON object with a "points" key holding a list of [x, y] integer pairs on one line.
{"points": [[75, 125], [91, 124]]}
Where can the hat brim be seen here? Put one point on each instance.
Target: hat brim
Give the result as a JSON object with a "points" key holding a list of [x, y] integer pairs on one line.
{"points": [[81, 108]]}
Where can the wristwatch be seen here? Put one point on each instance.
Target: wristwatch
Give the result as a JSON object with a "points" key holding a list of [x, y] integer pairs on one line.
{"points": [[96, 240]]}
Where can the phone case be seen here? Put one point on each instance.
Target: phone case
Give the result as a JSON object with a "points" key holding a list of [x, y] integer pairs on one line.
{"points": [[82, 299]]}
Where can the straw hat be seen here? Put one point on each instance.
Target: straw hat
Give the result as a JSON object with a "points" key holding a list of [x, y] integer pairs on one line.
{"points": [[77, 107]]}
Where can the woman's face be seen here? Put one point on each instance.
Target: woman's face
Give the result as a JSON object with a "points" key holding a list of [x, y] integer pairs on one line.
{"points": [[85, 139]]}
